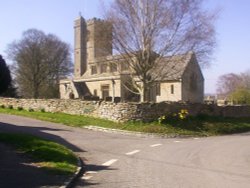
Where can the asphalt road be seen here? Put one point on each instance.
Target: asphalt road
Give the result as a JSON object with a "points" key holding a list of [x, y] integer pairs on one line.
{"points": [[125, 161]]}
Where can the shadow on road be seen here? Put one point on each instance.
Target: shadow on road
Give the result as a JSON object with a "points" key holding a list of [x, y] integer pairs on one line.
{"points": [[16, 169], [18, 172], [40, 132]]}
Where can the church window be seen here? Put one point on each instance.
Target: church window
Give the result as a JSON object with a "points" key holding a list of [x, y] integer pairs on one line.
{"points": [[158, 89], [113, 67], [172, 88], [124, 66], [93, 70], [95, 92], [104, 68]]}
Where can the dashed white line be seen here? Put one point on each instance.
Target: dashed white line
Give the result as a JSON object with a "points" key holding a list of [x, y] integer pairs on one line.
{"points": [[133, 152], [155, 145], [85, 177], [177, 141], [91, 172], [110, 162]]}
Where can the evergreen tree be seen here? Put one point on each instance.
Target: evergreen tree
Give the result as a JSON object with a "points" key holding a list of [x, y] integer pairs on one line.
{"points": [[5, 77]]}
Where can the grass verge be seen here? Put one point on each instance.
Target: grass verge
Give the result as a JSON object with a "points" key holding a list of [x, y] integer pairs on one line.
{"points": [[46, 154], [193, 126]]}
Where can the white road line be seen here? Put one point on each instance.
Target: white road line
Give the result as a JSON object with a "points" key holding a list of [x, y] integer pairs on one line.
{"points": [[133, 152], [155, 145], [110, 162], [91, 172], [177, 141], [86, 177]]}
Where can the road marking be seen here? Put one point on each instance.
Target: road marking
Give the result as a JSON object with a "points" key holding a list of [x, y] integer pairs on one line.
{"points": [[196, 138], [155, 145], [133, 152], [177, 141], [86, 177], [110, 162], [91, 172]]}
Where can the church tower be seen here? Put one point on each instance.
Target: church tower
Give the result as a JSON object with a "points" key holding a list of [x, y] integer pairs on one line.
{"points": [[80, 52], [99, 39]]}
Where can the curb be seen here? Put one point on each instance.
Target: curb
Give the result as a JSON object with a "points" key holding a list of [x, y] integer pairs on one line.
{"points": [[138, 134], [74, 178]]}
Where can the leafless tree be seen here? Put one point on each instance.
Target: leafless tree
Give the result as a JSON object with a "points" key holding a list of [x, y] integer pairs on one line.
{"points": [[146, 31], [228, 83], [40, 61], [235, 87], [246, 79]]}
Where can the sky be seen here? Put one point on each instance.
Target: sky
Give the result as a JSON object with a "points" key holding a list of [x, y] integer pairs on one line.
{"points": [[232, 54]]}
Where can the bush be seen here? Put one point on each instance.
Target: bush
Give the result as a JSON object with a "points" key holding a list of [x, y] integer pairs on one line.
{"points": [[10, 106], [173, 117], [31, 110], [2, 106], [42, 110], [19, 108]]}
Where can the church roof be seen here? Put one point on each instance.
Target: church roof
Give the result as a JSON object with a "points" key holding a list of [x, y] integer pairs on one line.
{"points": [[168, 68], [172, 67]]}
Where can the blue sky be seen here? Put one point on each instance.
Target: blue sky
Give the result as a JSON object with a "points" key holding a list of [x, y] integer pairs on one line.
{"points": [[56, 16]]}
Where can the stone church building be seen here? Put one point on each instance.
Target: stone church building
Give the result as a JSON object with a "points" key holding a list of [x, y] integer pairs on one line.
{"points": [[98, 74]]}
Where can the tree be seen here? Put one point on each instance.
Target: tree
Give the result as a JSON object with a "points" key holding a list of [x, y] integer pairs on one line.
{"points": [[10, 92], [146, 31], [240, 96], [40, 62], [228, 83], [246, 79], [235, 87], [5, 77]]}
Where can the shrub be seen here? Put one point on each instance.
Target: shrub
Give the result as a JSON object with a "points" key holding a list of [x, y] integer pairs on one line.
{"points": [[19, 108], [2, 106], [42, 110], [183, 114], [10, 106], [31, 110], [161, 119], [170, 117]]}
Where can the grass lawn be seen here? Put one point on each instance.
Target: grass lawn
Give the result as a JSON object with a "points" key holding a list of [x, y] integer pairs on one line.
{"points": [[48, 155], [194, 126]]}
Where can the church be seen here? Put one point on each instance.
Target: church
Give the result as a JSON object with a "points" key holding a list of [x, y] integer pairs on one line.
{"points": [[100, 75]]}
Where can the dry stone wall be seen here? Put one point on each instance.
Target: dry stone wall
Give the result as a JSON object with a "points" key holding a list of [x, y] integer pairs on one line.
{"points": [[123, 111]]}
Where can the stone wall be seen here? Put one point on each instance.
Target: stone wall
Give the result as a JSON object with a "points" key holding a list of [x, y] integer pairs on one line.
{"points": [[124, 111], [68, 106]]}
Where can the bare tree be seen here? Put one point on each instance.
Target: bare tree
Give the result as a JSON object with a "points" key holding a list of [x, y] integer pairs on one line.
{"points": [[146, 31], [40, 61], [235, 87], [228, 83], [246, 79]]}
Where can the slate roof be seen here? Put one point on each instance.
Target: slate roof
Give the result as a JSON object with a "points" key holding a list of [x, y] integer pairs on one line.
{"points": [[172, 68], [168, 68]]}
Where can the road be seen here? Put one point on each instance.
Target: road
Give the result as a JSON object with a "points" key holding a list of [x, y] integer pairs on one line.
{"points": [[126, 161]]}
